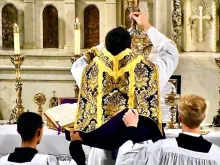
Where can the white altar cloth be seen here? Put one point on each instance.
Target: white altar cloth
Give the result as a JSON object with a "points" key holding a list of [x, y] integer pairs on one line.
{"points": [[51, 143], [54, 144]]}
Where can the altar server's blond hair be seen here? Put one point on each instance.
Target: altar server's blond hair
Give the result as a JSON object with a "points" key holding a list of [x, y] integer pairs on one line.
{"points": [[192, 110]]}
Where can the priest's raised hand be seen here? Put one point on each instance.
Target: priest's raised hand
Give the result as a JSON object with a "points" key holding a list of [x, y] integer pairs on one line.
{"points": [[141, 19]]}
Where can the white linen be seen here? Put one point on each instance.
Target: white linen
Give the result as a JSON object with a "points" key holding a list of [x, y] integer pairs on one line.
{"points": [[167, 55], [165, 152], [37, 160], [51, 143], [98, 156]]}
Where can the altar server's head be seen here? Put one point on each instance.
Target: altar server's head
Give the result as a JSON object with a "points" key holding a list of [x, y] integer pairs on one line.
{"points": [[192, 111], [117, 40], [30, 127]]}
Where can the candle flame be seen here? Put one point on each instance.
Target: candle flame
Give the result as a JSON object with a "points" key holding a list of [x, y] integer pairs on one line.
{"points": [[15, 25], [77, 20]]}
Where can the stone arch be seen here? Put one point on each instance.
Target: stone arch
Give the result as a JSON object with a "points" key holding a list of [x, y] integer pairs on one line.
{"points": [[9, 17], [91, 26], [50, 27]]}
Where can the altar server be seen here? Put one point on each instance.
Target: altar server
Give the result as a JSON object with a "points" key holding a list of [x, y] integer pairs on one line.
{"points": [[189, 148], [30, 128]]}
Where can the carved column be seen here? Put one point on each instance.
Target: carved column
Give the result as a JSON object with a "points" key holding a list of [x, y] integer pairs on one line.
{"points": [[214, 26], [187, 28], [69, 23], [110, 15], [160, 19], [176, 21], [29, 24]]}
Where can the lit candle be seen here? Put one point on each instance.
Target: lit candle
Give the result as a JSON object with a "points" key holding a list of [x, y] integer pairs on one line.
{"points": [[77, 36], [16, 39]]}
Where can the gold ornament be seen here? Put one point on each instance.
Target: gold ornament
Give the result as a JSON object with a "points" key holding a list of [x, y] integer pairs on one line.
{"points": [[171, 100], [40, 100]]}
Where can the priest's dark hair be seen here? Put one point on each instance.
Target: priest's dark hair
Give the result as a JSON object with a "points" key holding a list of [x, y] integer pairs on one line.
{"points": [[117, 40], [28, 124]]}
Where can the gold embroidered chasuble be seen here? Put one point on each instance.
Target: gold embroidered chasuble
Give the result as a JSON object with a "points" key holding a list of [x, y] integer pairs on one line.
{"points": [[112, 83]]}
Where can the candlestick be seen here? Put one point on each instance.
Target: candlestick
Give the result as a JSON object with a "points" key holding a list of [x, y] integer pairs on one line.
{"points": [[77, 36], [16, 39], [171, 100], [17, 60]]}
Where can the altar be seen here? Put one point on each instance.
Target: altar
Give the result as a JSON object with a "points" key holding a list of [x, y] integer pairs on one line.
{"points": [[57, 145]]}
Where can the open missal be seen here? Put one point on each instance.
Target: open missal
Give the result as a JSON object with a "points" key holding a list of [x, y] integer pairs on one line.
{"points": [[62, 116]]}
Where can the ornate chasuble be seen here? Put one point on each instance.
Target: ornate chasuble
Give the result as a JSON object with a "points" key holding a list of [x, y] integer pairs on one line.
{"points": [[112, 83]]}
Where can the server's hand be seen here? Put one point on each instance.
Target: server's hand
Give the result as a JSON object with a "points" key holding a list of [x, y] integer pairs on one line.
{"points": [[131, 118], [74, 135]]}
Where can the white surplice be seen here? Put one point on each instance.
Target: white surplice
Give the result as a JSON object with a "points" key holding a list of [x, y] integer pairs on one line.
{"points": [[38, 159], [166, 61], [164, 152]]}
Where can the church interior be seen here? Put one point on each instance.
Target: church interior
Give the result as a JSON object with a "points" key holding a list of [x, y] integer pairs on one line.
{"points": [[46, 32]]}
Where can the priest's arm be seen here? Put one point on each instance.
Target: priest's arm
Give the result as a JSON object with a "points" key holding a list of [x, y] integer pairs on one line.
{"points": [[167, 53]]}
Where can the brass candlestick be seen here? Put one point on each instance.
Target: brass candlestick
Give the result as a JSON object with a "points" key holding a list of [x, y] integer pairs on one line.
{"points": [[141, 43], [216, 119], [172, 100], [54, 100], [17, 60], [40, 100]]}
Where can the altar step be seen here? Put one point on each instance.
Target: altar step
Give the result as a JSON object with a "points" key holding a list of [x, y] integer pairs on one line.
{"points": [[40, 73], [39, 60], [42, 64]]}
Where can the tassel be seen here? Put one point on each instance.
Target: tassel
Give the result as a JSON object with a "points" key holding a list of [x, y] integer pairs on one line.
{"points": [[59, 128]]}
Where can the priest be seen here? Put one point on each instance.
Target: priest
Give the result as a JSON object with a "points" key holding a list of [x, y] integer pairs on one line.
{"points": [[188, 148], [136, 83]]}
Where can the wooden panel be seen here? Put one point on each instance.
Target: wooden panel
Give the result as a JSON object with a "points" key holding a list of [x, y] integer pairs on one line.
{"points": [[9, 17], [50, 27], [91, 26]]}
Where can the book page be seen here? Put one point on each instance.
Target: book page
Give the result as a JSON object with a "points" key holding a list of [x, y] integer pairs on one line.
{"points": [[63, 114]]}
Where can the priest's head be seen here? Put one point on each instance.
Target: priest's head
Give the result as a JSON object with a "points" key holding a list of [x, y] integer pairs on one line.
{"points": [[30, 128], [192, 111], [117, 40]]}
